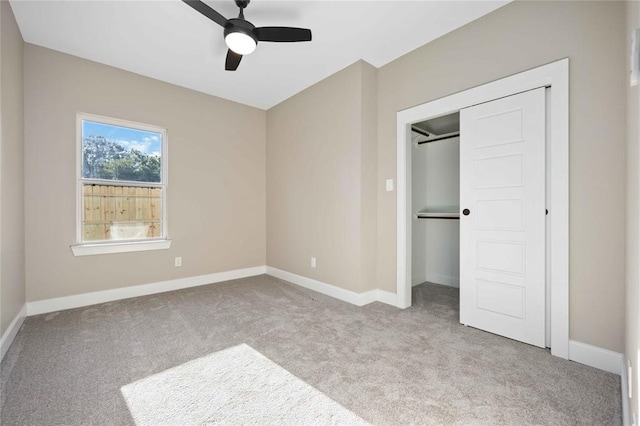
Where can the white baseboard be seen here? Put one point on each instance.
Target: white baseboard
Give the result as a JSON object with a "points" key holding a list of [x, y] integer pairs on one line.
{"points": [[594, 356], [415, 282], [12, 330], [437, 279], [86, 299], [324, 288], [624, 387], [358, 299], [444, 280], [386, 297]]}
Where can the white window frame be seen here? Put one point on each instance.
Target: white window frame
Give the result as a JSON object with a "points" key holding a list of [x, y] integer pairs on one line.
{"points": [[104, 247]]}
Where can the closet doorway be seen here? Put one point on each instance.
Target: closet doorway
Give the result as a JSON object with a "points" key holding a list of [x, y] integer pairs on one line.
{"points": [[435, 196], [552, 79]]}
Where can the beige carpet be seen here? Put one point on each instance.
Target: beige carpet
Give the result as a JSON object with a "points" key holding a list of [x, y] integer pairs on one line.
{"points": [[234, 386], [416, 366]]}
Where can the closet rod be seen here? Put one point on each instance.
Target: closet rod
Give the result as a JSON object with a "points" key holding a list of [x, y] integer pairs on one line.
{"points": [[440, 138], [419, 131], [438, 217]]}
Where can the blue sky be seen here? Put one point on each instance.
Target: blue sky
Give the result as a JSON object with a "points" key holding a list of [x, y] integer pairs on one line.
{"points": [[147, 142]]}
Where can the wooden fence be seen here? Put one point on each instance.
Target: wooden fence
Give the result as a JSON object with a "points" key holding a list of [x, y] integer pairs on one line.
{"points": [[121, 212]]}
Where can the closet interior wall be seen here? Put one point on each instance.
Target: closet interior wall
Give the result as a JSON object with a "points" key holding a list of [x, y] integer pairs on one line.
{"points": [[436, 188]]}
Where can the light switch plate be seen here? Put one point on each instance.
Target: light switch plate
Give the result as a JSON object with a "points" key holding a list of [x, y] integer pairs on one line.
{"points": [[389, 184]]}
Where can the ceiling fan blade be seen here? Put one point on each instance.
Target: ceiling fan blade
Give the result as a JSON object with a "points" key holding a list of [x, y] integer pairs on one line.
{"points": [[282, 34], [207, 11], [233, 60]]}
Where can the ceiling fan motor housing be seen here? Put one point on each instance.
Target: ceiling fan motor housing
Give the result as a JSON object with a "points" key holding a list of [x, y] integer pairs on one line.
{"points": [[240, 36], [237, 25]]}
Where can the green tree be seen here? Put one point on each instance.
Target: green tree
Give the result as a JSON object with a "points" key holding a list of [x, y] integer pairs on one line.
{"points": [[96, 151], [151, 169], [103, 159], [135, 166]]}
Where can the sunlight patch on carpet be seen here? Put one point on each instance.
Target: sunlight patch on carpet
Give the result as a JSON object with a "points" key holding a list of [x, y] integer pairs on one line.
{"points": [[235, 386]]}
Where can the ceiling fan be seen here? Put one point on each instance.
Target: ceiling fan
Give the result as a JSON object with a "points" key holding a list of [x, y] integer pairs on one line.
{"points": [[242, 37]]}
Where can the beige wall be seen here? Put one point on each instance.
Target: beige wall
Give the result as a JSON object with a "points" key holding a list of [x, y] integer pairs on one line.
{"points": [[632, 352], [12, 281], [368, 176], [216, 191], [517, 37], [326, 162], [320, 147]]}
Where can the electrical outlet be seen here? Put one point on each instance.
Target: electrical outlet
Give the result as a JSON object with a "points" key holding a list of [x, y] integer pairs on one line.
{"points": [[313, 262], [178, 262]]}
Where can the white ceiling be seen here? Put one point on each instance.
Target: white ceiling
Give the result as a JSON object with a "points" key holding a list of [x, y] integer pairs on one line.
{"points": [[169, 41]]}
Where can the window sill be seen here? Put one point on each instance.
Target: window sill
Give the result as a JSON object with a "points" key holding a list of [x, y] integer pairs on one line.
{"points": [[122, 247]]}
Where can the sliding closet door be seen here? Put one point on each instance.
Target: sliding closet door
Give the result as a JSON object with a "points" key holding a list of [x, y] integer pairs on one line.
{"points": [[502, 225]]}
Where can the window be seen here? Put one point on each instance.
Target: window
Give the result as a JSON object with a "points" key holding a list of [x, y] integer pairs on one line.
{"points": [[121, 185]]}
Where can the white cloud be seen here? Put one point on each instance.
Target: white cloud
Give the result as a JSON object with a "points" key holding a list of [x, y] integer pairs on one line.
{"points": [[148, 145], [129, 145]]}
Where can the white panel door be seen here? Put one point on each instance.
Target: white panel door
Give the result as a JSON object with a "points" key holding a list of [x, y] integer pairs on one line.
{"points": [[502, 225]]}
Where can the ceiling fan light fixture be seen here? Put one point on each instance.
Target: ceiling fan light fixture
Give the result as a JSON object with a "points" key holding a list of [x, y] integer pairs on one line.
{"points": [[240, 42], [242, 37]]}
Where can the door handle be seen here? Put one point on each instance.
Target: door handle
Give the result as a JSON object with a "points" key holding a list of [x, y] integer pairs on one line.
{"points": [[466, 212]]}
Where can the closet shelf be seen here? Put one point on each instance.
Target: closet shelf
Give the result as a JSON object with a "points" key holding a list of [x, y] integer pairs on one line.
{"points": [[438, 215]]}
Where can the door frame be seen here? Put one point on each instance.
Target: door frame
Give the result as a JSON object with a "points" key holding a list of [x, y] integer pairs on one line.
{"points": [[554, 76]]}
